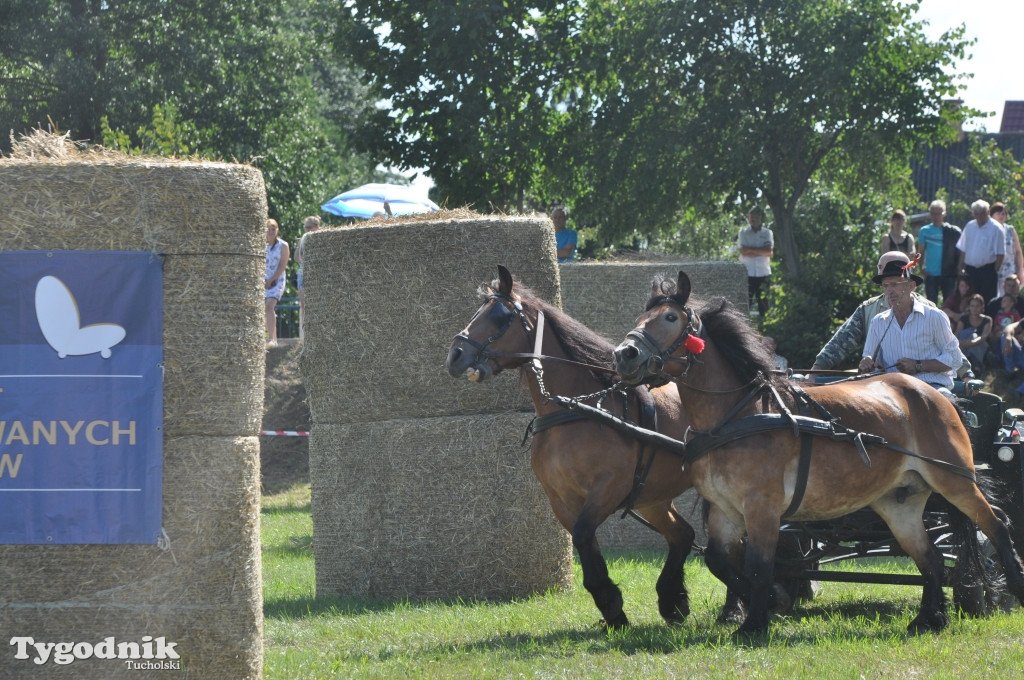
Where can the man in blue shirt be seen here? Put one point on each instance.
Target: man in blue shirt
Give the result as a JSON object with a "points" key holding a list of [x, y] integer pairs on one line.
{"points": [[937, 244], [565, 239]]}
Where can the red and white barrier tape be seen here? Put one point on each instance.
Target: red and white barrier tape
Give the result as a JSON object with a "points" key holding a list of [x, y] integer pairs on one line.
{"points": [[283, 433]]}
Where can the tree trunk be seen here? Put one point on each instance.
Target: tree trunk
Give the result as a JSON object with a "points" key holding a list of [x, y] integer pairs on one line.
{"points": [[785, 241]]}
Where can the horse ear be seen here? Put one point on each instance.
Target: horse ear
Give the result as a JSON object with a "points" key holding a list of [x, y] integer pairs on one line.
{"points": [[682, 288], [504, 280]]}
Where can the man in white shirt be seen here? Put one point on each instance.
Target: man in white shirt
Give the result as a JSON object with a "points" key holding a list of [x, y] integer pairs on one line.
{"points": [[910, 337], [982, 246], [756, 248]]}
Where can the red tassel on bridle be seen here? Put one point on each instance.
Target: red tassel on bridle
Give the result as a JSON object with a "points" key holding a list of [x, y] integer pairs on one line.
{"points": [[693, 344], [910, 265]]}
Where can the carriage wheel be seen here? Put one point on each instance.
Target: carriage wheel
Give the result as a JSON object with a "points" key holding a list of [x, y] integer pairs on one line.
{"points": [[794, 548], [974, 598]]}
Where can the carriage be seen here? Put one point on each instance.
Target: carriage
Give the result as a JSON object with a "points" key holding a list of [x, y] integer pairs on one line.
{"points": [[807, 547], [594, 458]]}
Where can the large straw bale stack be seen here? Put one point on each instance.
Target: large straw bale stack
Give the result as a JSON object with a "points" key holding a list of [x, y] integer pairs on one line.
{"points": [[202, 589], [383, 303], [432, 508], [608, 297], [421, 487]]}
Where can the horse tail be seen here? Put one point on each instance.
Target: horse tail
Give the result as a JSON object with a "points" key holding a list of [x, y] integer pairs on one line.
{"points": [[972, 568]]}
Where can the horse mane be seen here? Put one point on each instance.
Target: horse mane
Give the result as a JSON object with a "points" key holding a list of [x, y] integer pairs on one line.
{"points": [[726, 327], [579, 342]]}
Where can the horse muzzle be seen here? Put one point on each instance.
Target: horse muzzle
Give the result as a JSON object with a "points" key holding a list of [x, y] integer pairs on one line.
{"points": [[465, 361], [635, 363]]}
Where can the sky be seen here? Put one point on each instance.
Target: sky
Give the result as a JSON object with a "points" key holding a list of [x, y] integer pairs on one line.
{"points": [[995, 57]]}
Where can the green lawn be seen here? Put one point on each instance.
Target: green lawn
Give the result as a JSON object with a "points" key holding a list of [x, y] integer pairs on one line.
{"points": [[849, 631]]}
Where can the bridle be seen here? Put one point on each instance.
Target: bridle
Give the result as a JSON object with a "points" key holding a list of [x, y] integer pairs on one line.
{"points": [[503, 313], [662, 355], [510, 309]]}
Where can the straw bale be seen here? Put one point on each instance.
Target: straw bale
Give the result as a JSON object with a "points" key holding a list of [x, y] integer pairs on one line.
{"points": [[207, 221], [608, 297], [203, 592], [432, 508], [383, 303]]}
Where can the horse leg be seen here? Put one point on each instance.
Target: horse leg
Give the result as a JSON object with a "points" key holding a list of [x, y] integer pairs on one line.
{"points": [[759, 568], [724, 559], [673, 600], [606, 594], [904, 518]]}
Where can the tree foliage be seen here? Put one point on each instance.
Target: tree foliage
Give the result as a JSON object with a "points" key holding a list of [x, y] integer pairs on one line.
{"points": [[466, 86], [221, 79], [718, 104]]}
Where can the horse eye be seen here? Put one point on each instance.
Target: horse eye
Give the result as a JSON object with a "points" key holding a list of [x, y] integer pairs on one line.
{"points": [[671, 317]]}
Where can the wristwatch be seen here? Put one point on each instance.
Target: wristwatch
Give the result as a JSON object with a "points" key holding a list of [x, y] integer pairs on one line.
{"points": [[917, 366]]}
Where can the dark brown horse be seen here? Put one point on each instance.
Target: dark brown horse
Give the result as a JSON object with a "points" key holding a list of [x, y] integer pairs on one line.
{"points": [[586, 469], [716, 360]]}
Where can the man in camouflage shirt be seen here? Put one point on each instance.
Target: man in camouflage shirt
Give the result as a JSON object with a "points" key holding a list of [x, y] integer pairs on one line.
{"points": [[851, 335]]}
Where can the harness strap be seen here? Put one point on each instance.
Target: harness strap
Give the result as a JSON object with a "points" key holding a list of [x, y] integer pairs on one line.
{"points": [[704, 442], [802, 471], [549, 420]]}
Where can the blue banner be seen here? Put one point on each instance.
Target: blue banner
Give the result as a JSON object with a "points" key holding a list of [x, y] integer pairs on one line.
{"points": [[81, 397]]}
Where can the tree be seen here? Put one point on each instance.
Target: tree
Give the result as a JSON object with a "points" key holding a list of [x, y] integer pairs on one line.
{"points": [[466, 86], [222, 79], [718, 104]]}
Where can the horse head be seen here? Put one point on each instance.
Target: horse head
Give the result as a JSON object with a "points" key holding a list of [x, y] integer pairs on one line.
{"points": [[666, 335], [482, 349]]}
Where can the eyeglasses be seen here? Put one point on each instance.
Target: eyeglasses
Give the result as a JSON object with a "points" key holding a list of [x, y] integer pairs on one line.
{"points": [[895, 285]]}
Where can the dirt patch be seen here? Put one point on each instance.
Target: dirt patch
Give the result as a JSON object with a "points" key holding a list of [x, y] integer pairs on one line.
{"points": [[284, 460]]}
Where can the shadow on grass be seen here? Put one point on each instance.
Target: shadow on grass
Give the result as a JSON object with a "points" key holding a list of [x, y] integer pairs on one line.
{"points": [[281, 510], [300, 545]]}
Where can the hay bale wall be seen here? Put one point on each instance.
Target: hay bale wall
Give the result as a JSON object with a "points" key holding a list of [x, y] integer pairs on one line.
{"points": [[410, 500], [384, 302], [608, 297], [204, 593], [432, 508]]}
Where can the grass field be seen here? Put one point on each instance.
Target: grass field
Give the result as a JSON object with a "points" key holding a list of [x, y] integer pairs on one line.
{"points": [[848, 631]]}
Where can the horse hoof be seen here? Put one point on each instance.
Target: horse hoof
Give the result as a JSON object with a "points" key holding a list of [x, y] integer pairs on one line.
{"points": [[616, 623], [928, 623], [732, 615], [747, 633]]}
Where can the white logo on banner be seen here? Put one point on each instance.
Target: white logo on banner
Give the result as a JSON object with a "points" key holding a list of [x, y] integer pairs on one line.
{"points": [[59, 320]]}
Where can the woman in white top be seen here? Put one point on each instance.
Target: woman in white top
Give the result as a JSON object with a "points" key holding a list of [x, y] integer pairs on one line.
{"points": [[274, 279]]}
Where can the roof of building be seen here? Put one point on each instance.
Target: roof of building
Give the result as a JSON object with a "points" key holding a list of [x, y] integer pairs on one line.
{"points": [[1013, 117]]}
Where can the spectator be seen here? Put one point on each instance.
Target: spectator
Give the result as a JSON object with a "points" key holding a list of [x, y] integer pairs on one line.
{"points": [[757, 245], [1013, 355], [1013, 262], [310, 224], [274, 279], [937, 244], [982, 246], [910, 337], [955, 305], [972, 332], [851, 336], [896, 238], [1007, 313], [565, 239], [1011, 287]]}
